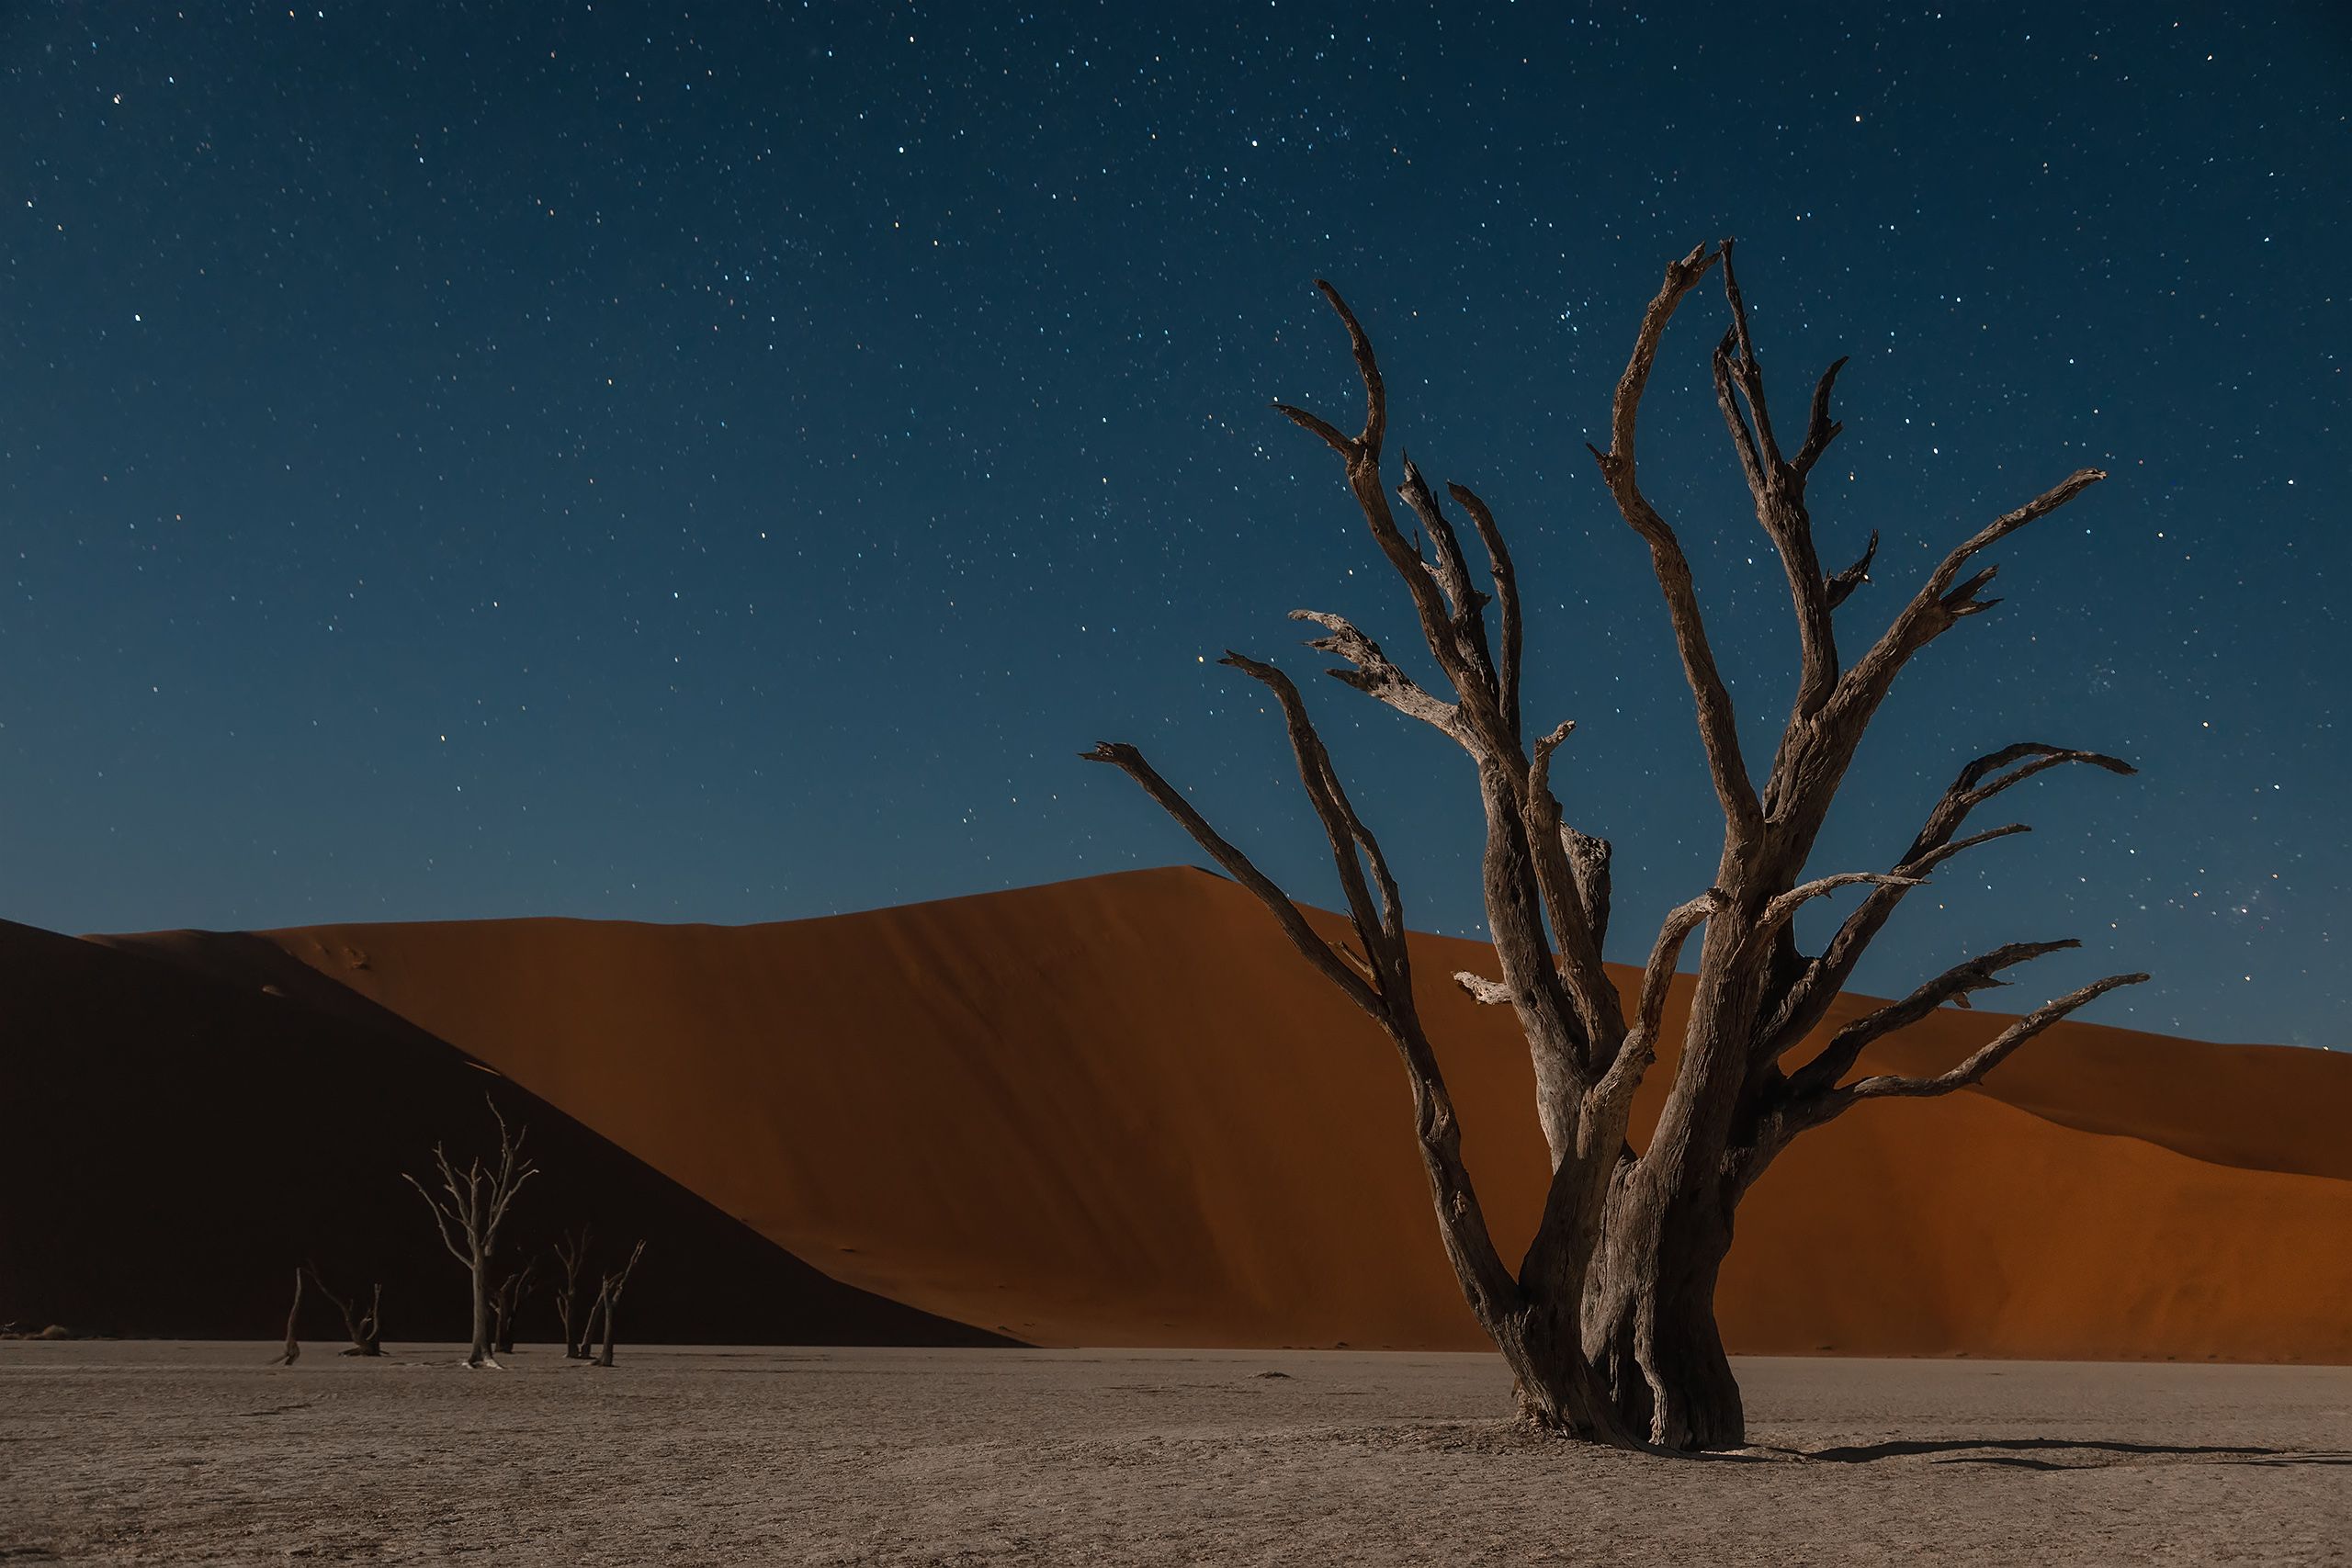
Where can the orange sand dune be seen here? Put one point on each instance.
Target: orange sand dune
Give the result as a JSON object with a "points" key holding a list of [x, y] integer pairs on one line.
{"points": [[1119, 1111], [183, 1122]]}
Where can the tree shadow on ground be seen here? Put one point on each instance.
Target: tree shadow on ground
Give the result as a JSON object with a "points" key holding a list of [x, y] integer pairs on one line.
{"points": [[2013, 1451]]}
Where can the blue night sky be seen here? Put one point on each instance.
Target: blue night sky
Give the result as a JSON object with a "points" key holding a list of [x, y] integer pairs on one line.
{"points": [[723, 465]]}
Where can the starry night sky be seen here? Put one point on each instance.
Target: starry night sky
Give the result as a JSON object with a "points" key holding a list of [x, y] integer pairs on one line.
{"points": [[723, 465]]}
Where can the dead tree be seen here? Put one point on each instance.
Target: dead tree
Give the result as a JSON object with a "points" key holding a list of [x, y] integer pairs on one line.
{"points": [[506, 1302], [365, 1327], [468, 1210], [572, 1256], [1607, 1322], [293, 1351], [608, 1298]]}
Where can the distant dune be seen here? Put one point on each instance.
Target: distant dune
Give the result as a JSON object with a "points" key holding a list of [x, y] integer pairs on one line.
{"points": [[1119, 1111], [1116, 1111], [183, 1118]]}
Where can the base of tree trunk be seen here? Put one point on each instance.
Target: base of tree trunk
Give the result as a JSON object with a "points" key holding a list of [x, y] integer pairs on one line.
{"points": [[1558, 1391], [1677, 1389], [1650, 1328]]}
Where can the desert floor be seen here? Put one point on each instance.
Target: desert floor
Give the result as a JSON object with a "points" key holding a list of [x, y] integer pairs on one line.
{"points": [[159, 1452]]}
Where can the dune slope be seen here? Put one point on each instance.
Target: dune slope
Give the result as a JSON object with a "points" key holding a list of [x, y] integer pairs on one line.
{"points": [[1119, 1111], [184, 1118]]}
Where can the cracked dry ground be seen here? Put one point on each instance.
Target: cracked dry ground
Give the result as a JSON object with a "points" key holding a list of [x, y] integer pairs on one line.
{"points": [[154, 1452]]}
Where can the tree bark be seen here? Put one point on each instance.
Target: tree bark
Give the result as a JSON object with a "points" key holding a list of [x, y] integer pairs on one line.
{"points": [[1649, 1318], [480, 1356]]}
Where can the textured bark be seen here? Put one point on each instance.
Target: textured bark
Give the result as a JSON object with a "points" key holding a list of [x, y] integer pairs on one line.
{"points": [[1650, 1321], [1608, 1323], [468, 1212]]}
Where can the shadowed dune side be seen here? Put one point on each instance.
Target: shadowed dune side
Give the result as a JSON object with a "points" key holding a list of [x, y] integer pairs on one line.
{"points": [[1119, 1111], [174, 1138]]}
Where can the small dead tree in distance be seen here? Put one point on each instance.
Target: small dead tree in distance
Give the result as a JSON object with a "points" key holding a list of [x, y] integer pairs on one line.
{"points": [[507, 1303], [608, 1298], [472, 1204], [572, 1256], [1608, 1323], [293, 1351], [365, 1327]]}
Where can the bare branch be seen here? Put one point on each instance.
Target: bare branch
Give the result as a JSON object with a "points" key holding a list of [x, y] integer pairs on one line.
{"points": [[1590, 857], [1376, 675], [1380, 927], [513, 1170], [442, 1216], [1362, 455], [1984, 778], [1920, 866], [1956, 984], [1376, 396], [1313, 948], [1364, 446], [1586, 856], [1778, 490], [1499, 569], [1743, 439], [1936, 606], [1806, 1002], [1718, 721], [1343, 443], [1640, 1044], [1572, 880], [1746, 370], [1973, 1070], [1462, 1221], [1841, 587], [1783, 908], [1489, 993], [1452, 568], [1821, 430]]}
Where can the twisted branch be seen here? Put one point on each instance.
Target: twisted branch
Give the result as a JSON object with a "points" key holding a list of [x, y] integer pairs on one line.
{"points": [[1836, 1101], [1956, 984], [1807, 1000]]}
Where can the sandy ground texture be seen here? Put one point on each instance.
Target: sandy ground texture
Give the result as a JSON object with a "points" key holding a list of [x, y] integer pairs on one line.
{"points": [[145, 1452]]}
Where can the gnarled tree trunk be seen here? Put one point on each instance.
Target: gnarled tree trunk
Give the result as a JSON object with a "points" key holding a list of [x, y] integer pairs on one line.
{"points": [[1649, 1318], [1607, 1323]]}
